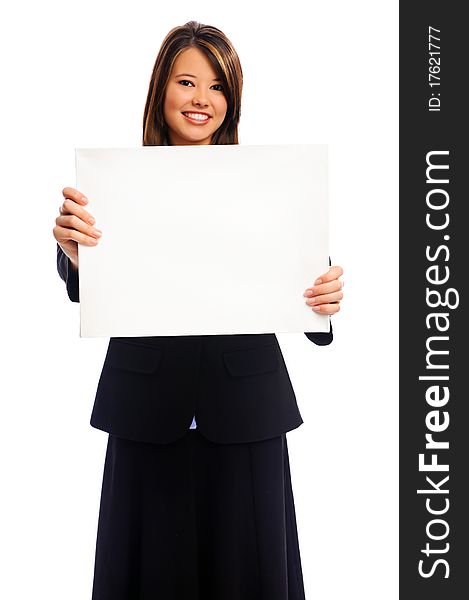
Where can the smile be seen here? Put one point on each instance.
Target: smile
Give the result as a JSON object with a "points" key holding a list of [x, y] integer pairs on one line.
{"points": [[196, 118]]}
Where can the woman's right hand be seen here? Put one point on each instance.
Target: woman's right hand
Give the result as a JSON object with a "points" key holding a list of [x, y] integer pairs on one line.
{"points": [[74, 225]]}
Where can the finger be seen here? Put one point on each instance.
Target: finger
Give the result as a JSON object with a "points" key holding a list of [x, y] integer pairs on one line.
{"points": [[75, 195], [70, 207], [333, 273], [323, 288], [326, 309], [325, 299], [63, 234], [74, 222]]}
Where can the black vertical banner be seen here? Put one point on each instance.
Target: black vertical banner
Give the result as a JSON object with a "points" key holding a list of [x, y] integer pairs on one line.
{"points": [[434, 362]]}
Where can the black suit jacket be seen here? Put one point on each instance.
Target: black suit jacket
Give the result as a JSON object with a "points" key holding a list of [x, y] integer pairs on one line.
{"points": [[237, 386]]}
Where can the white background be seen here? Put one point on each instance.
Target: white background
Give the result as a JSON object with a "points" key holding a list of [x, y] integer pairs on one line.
{"points": [[76, 74]]}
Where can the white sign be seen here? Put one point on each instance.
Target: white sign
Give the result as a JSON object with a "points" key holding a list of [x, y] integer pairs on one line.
{"points": [[203, 240]]}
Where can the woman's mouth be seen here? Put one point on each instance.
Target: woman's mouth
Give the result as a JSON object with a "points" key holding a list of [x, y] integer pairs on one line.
{"points": [[196, 118]]}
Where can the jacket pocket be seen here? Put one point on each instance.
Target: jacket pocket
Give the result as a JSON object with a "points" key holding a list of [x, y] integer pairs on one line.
{"points": [[131, 356], [252, 361]]}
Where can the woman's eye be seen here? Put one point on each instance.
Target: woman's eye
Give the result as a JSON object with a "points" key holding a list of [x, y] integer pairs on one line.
{"points": [[217, 85]]}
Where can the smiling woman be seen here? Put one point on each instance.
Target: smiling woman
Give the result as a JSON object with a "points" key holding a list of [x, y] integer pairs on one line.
{"points": [[194, 106], [199, 74], [202, 510]]}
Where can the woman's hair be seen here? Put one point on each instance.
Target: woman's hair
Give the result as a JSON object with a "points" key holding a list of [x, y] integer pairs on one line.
{"points": [[221, 53]]}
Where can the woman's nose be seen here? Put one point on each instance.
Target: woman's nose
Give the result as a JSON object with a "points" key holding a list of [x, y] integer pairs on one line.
{"points": [[200, 100]]}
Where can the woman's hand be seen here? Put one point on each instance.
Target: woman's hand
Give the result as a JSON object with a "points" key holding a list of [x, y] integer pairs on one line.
{"points": [[325, 295], [74, 225]]}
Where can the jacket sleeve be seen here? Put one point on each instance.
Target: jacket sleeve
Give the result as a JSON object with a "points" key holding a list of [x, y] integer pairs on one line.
{"points": [[320, 338], [68, 274]]}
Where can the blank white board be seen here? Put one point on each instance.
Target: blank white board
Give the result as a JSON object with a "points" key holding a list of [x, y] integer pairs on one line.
{"points": [[203, 240]]}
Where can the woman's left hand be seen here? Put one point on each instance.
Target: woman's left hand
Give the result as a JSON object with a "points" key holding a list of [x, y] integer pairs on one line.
{"points": [[325, 295]]}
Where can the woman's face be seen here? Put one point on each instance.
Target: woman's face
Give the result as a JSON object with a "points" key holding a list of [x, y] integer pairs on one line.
{"points": [[194, 104]]}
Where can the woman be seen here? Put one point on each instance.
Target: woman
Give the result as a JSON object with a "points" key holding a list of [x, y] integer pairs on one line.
{"points": [[200, 509]]}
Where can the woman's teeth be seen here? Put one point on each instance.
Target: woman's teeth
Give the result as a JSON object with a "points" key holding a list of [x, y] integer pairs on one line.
{"points": [[196, 116]]}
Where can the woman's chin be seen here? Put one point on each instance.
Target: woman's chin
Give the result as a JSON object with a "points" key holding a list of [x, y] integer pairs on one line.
{"points": [[192, 135]]}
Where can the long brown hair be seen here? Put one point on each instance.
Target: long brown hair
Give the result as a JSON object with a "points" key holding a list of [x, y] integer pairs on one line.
{"points": [[224, 59]]}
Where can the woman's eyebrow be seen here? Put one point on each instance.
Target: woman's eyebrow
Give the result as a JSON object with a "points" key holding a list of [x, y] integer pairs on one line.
{"points": [[194, 76]]}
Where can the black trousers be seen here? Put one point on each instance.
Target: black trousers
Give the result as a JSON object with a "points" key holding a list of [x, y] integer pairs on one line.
{"points": [[195, 520]]}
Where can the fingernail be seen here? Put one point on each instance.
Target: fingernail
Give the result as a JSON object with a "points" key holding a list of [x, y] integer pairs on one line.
{"points": [[318, 281], [85, 199], [316, 308], [97, 232], [308, 293], [91, 220]]}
